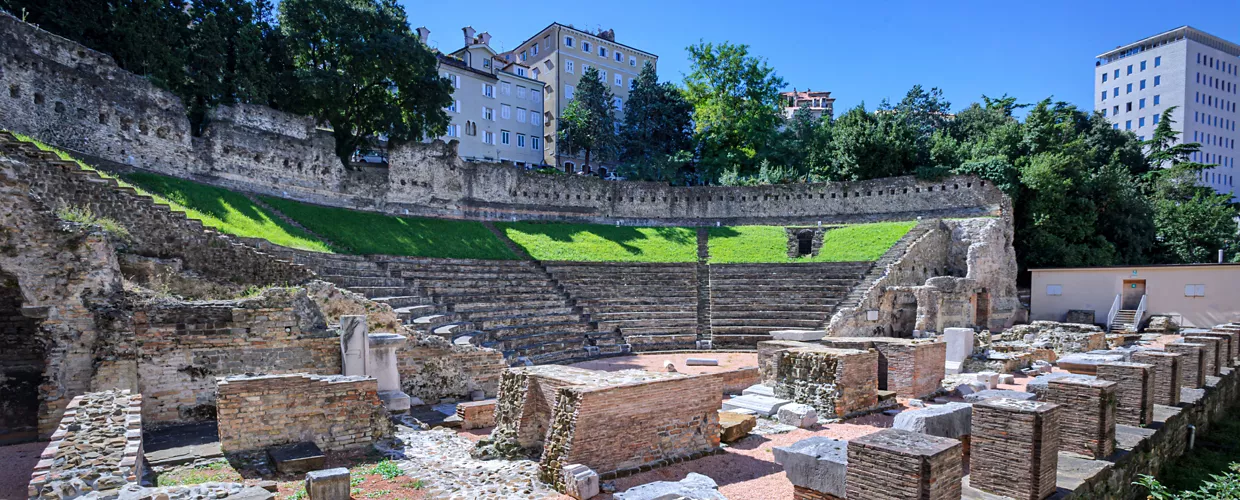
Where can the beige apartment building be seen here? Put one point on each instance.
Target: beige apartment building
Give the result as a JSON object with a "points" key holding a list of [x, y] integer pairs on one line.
{"points": [[497, 107], [557, 56], [820, 104], [1195, 295]]}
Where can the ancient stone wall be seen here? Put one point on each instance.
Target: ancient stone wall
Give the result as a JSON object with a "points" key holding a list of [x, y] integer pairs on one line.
{"points": [[95, 451], [334, 412], [77, 99]]}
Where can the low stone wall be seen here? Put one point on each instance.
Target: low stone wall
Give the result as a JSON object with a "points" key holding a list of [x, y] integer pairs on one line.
{"points": [[433, 368], [911, 368], [96, 450], [735, 381], [836, 382], [335, 412]]}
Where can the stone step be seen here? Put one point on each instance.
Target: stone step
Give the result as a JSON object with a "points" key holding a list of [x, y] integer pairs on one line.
{"points": [[403, 300], [729, 306], [778, 324], [797, 314], [461, 266], [601, 292], [750, 329], [481, 275], [453, 330], [794, 301], [484, 306], [383, 291], [761, 405], [356, 281], [574, 355], [657, 331], [449, 291], [532, 329], [518, 312], [525, 320], [682, 307], [408, 313], [643, 315], [734, 341], [716, 288], [658, 341], [683, 323], [431, 321], [330, 270]]}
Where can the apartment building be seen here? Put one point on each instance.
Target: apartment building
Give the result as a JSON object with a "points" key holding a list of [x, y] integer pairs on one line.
{"points": [[497, 107], [820, 104], [1184, 67], [557, 56]]}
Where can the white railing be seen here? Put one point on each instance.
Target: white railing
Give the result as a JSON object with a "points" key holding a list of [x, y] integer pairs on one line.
{"points": [[1114, 311], [1136, 321]]}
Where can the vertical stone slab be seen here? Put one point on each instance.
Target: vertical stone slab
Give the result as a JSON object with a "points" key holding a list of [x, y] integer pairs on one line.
{"points": [[959, 344], [1134, 391], [1166, 375], [354, 345], [1213, 353], [1230, 338], [1015, 448], [1192, 364], [895, 464], [381, 364], [1088, 425]]}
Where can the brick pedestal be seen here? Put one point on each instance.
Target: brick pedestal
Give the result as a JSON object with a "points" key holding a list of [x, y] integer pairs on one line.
{"points": [[1166, 378], [1213, 355], [1230, 338], [802, 493], [1088, 423], [1134, 391], [911, 368], [1015, 448], [1192, 364], [896, 464]]}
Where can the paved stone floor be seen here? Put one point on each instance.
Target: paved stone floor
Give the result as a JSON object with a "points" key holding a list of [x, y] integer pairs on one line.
{"points": [[440, 459], [19, 461]]}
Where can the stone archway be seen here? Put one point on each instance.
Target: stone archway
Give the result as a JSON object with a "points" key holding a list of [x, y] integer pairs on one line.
{"points": [[23, 363]]}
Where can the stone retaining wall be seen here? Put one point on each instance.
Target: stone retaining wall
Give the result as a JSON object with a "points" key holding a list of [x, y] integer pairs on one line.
{"points": [[335, 412], [78, 99], [96, 450]]}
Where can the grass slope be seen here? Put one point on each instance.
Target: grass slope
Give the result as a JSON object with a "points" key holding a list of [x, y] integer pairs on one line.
{"points": [[769, 244], [602, 243], [366, 233], [225, 211]]}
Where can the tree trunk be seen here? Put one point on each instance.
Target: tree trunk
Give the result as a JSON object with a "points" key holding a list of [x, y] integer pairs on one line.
{"points": [[587, 164]]}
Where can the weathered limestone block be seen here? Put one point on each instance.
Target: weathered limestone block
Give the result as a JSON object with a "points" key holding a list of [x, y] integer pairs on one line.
{"points": [[998, 393], [819, 464], [1041, 383], [1086, 364], [760, 405], [328, 484], [734, 426], [1088, 424], [798, 335], [382, 365], [1165, 377], [1015, 448], [1213, 355], [896, 464], [1134, 391], [701, 362], [580, 482], [951, 420], [797, 415], [1192, 363], [991, 379], [354, 345], [693, 487], [959, 344]]}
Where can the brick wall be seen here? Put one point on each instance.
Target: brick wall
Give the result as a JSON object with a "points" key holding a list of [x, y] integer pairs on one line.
{"points": [[836, 382], [735, 381], [334, 412], [96, 449]]}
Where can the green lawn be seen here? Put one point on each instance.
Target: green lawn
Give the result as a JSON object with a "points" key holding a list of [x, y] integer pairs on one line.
{"points": [[603, 243], [851, 243], [366, 233], [226, 211]]}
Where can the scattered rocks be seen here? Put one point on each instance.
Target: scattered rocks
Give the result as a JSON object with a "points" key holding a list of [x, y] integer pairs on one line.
{"points": [[798, 415], [693, 487], [734, 426], [442, 461]]}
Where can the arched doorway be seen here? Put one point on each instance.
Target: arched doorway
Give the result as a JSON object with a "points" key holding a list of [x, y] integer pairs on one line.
{"points": [[22, 364]]}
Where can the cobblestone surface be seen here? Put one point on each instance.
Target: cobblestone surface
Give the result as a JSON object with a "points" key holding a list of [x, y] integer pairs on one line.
{"points": [[440, 459]]}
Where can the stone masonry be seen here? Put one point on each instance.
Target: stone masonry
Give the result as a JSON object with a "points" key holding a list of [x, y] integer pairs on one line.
{"points": [[1088, 425], [1015, 448], [1134, 391], [1231, 338], [894, 464], [835, 382], [96, 450], [912, 368], [1166, 377], [335, 412], [1213, 354], [1192, 363]]}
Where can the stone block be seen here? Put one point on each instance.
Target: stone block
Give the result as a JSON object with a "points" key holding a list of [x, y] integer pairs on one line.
{"points": [[328, 484], [1214, 353], [952, 367], [759, 390], [836, 382], [951, 420], [761, 405], [297, 458], [799, 335], [817, 463], [1088, 425], [1015, 448], [693, 487], [476, 414], [1134, 391], [1229, 339], [1086, 363], [999, 393], [734, 426], [1007, 379], [1039, 384], [959, 343], [1166, 378], [701, 362], [1192, 363], [896, 464], [354, 345], [797, 415], [580, 482], [991, 379]]}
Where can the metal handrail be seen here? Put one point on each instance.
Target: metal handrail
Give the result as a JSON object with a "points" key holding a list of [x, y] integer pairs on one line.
{"points": [[1136, 325], [1114, 310]]}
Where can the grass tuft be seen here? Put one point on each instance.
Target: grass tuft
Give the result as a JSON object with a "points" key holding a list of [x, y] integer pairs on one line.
{"points": [[83, 215], [602, 243], [769, 244]]}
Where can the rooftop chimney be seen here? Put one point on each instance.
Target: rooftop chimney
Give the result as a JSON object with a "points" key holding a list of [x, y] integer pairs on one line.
{"points": [[484, 38], [423, 33], [469, 35]]}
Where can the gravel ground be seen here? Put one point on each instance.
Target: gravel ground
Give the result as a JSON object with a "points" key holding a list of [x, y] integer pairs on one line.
{"points": [[654, 362], [19, 461]]}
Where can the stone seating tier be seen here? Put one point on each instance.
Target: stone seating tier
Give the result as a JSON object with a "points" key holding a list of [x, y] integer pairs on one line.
{"points": [[748, 301], [654, 304]]}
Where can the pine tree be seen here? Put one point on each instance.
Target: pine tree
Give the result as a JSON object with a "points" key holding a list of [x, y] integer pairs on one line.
{"points": [[588, 123], [657, 130]]}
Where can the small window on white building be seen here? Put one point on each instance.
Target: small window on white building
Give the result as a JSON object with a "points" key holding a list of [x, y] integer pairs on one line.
{"points": [[520, 92], [619, 56], [520, 115], [536, 72], [534, 49], [1194, 290], [632, 61], [505, 111], [520, 71], [503, 137], [568, 66], [488, 90], [488, 137], [520, 140], [1054, 289], [488, 113], [568, 91], [568, 41], [535, 95], [505, 88], [536, 143], [619, 81], [585, 46]]}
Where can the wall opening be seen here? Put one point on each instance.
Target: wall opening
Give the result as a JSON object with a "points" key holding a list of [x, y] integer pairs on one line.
{"points": [[22, 365], [805, 243], [981, 312]]}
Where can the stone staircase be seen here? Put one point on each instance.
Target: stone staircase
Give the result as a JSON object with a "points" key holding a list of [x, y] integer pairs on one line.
{"points": [[879, 268], [654, 306], [1125, 321], [748, 301], [512, 306]]}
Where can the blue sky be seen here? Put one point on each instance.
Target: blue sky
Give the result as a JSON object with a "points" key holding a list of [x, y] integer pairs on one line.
{"points": [[864, 51]]}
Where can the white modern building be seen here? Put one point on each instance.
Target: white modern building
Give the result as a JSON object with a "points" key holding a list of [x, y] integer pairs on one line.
{"points": [[1184, 67]]}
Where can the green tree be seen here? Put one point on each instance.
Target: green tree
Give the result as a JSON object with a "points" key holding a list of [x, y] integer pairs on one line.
{"points": [[227, 62], [657, 131], [588, 123], [736, 106], [364, 71]]}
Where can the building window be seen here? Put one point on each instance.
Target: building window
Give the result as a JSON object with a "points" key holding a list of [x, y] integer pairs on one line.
{"points": [[503, 137], [1155, 119], [1141, 103], [568, 91], [520, 71], [602, 51], [1115, 111], [1142, 84], [505, 111], [632, 61], [619, 57], [535, 72], [534, 50], [1115, 93], [488, 137], [1128, 125], [1194, 290], [1129, 90], [1117, 73], [505, 88], [568, 66], [488, 114], [520, 140], [619, 104], [1104, 95], [535, 95], [1104, 111], [520, 92], [535, 118], [1129, 69], [602, 76], [471, 128], [1128, 107], [1142, 65], [524, 55], [521, 115], [568, 41], [453, 131], [585, 46], [1157, 61], [1104, 78], [535, 143], [619, 81], [1157, 80], [1054, 289], [488, 90], [1140, 122], [455, 107]]}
